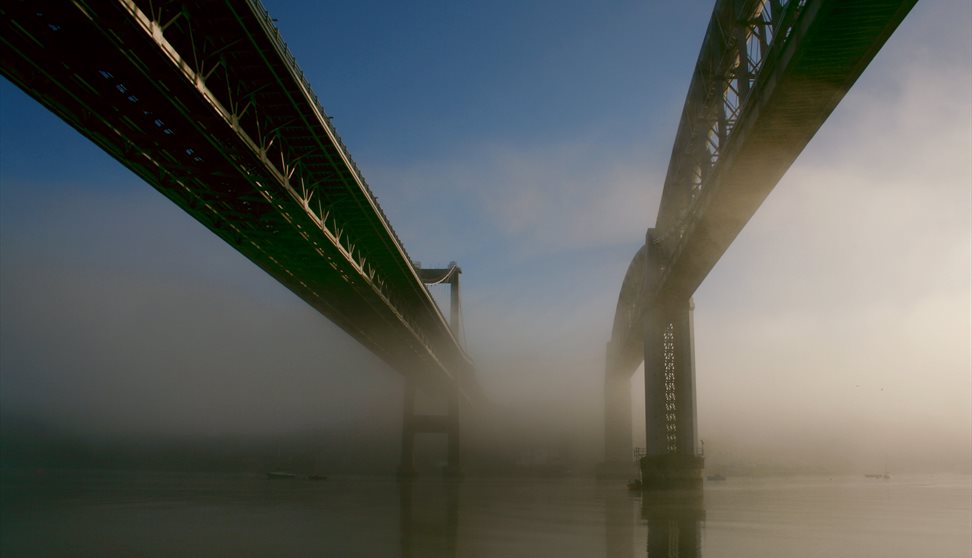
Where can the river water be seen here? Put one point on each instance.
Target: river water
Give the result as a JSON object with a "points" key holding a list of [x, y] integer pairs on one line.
{"points": [[157, 514]]}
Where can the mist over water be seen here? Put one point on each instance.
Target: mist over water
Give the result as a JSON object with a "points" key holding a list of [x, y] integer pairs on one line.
{"points": [[157, 514], [833, 335], [150, 376]]}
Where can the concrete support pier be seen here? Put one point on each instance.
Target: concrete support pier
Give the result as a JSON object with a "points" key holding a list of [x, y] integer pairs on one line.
{"points": [[618, 455], [448, 423], [414, 423], [672, 457]]}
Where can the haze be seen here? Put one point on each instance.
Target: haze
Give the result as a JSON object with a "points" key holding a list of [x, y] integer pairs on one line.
{"points": [[836, 333]]}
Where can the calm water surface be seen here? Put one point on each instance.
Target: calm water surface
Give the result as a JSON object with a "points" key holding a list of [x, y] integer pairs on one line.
{"points": [[153, 514]]}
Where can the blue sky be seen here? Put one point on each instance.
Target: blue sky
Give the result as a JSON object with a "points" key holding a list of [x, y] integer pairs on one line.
{"points": [[528, 141]]}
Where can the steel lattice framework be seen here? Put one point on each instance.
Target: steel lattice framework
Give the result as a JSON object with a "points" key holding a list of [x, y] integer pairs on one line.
{"points": [[203, 100], [671, 397], [768, 75]]}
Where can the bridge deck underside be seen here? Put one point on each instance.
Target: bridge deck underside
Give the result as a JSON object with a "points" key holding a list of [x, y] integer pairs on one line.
{"points": [[818, 63], [209, 110], [817, 69]]}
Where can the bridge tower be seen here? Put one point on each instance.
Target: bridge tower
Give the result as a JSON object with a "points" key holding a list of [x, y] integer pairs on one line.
{"points": [[672, 457], [416, 423]]}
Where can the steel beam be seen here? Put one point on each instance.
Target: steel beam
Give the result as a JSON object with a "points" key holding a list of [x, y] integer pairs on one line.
{"points": [[768, 75], [203, 100]]}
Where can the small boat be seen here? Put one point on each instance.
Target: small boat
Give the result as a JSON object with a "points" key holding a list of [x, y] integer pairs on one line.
{"points": [[316, 477], [885, 475], [281, 475], [716, 477]]}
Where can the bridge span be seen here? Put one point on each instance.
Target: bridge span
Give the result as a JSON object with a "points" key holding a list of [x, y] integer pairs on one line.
{"points": [[769, 74], [203, 100]]}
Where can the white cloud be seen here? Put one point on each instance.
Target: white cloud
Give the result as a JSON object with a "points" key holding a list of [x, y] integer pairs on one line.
{"points": [[573, 197], [535, 201], [856, 274]]}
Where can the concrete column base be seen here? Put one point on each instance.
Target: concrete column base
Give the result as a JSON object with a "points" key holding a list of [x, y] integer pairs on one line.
{"points": [[414, 424], [671, 472], [673, 505]]}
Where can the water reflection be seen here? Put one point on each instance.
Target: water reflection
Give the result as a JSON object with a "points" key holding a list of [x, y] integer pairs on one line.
{"points": [[674, 523], [619, 522], [428, 518], [668, 524], [160, 514]]}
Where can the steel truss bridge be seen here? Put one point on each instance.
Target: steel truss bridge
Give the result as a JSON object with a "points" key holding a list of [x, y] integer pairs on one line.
{"points": [[769, 74], [203, 100]]}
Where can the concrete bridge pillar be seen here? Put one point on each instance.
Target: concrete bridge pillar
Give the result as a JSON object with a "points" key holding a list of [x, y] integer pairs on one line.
{"points": [[454, 463], [406, 466], [618, 456], [672, 458], [448, 424], [415, 423]]}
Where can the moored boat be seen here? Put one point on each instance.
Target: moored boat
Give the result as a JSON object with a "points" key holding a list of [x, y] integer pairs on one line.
{"points": [[272, 475]]}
